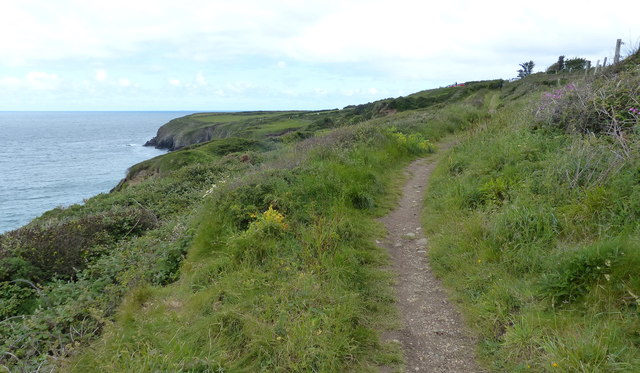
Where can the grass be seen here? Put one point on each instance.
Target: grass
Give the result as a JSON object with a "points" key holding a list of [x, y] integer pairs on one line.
{"points": [[282, 275], [259, 252], [265, 244], [539, 238]]}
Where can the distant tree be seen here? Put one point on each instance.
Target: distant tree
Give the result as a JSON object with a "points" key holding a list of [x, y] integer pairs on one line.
{"points": [[557, 67], [575, 63], [561, 63], [527, 69]]}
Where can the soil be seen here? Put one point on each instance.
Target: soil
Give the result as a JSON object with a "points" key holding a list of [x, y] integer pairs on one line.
{"points": [[432, 335]]}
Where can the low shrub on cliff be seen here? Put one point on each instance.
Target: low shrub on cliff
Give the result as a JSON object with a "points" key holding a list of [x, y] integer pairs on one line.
{"points": [[605, 105], [62, 248]]}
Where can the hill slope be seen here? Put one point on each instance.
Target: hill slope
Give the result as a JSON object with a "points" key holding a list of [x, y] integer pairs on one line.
{"points": [[257, 253]]}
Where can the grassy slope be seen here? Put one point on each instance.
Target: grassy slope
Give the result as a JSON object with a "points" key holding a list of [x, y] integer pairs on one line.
{"points": [[280, 271], [201, 127], [85, 258], [537, 230], [283, 274]]}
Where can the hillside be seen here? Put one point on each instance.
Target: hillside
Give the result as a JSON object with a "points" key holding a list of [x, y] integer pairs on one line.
{"points": [[202, 127], [252, 247]]}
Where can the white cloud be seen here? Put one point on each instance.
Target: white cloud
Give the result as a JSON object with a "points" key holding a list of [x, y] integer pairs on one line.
{"points": [[34, 80], [344, 46], [42, 81], [101, 75], [124, 82], [10, 82], [239, 87], [200, 80]]}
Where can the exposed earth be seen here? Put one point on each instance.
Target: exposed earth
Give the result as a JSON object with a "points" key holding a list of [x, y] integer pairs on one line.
{"points": [[432, 335]]}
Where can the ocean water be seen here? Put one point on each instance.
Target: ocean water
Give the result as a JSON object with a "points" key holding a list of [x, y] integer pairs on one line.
{"points": [[50, 159]]}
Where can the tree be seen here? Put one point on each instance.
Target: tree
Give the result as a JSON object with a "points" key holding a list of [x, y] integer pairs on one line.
{"points": [[557, 67], [575, 64], [527, 69]]}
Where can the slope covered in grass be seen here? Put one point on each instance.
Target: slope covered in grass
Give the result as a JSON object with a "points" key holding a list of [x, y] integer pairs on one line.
{"points": [[283, 273], [277, 234], [535, 220], [256, 253]]}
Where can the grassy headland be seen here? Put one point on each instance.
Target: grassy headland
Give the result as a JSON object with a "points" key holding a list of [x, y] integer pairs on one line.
{"points": [[255, 251]]}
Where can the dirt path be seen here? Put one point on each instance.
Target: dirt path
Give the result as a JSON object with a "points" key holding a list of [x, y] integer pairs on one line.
{"points": [[433, 336]]}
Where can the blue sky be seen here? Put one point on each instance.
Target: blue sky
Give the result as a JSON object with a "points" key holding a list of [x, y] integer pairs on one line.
{"points": [[282, 54]]}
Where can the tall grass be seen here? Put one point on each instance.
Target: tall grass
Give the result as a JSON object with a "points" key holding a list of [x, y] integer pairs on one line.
{"points": [[537, 231], [283, 273]]}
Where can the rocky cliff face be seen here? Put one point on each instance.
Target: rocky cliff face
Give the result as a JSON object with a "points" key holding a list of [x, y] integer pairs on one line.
{"points": [[181, 132]]}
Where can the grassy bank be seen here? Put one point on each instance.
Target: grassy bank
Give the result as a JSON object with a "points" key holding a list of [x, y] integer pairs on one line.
{"points": [[536, 228], [268, 242], [283, 273]]}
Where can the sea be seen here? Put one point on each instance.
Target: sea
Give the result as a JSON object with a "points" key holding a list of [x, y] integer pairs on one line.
{"points": [[51, 159]]}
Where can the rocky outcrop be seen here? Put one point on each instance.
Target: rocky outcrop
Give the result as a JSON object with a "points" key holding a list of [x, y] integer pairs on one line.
{"points": [[185, 131]]}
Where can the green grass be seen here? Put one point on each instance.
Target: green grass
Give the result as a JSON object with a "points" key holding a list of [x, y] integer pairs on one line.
{"points": [[259, 252], [265, 244], [282, 274], [205, 153], [537, 231]]}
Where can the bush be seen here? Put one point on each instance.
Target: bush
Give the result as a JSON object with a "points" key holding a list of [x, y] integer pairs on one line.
{"points": [[14, 299], [608, 105], [61, 248]]}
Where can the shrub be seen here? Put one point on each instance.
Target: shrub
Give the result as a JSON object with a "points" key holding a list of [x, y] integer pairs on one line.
{"points": [[14, 299], [608, 105], [61, 248]]}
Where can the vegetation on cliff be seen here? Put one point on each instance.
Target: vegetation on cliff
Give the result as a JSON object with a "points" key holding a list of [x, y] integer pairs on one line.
{"points": [[254, 251], [535, 220]]}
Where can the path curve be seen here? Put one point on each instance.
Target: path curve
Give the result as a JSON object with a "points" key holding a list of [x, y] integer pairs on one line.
{"points": [[433, 336]]}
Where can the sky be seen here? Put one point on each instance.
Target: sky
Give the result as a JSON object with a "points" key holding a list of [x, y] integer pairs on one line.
{"points": [[213, 55]]}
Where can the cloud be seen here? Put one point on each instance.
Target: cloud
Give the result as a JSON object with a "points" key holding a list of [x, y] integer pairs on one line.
{"points": [[101, 75], [342, 47], [10, 82], [34, 80], [200, 80], [124, 82]]}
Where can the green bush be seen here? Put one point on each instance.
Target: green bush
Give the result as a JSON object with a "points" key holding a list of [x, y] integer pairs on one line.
{"points": [[15, 299], [62, 248]]}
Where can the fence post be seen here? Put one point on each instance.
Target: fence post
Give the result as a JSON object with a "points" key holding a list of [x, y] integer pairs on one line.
{"points": [[616, 57]]}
